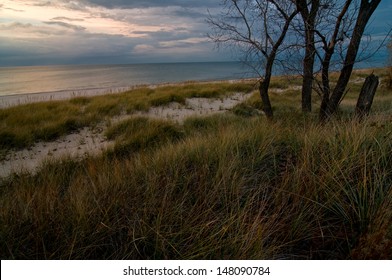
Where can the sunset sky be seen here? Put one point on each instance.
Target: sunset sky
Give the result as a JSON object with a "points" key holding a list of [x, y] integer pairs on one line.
{"points": [[34, 32]]}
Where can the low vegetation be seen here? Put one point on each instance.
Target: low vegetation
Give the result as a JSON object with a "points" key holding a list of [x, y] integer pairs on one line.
{"points": [[139, 134], [228, 186], [21, 126]]}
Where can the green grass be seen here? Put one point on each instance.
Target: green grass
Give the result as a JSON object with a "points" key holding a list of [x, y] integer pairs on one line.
{"points": [[228, 186], [23, 125]]}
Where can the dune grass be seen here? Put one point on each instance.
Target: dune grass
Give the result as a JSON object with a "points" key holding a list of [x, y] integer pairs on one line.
{"points": [[23, 125], [247, 190], [140, 133], [228, 186]]}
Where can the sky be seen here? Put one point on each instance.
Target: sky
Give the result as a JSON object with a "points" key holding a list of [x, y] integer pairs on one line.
{"points": [[42, 32]]}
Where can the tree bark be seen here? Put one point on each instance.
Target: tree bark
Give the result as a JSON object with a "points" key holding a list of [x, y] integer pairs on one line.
{"points": [[326, 90], [267, 108], [309, 18], [365, 12], [307, 82], [264, 86], [365, 99]]}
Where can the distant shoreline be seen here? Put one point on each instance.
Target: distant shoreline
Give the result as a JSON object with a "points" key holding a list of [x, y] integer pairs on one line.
{"points": [[78, 79], [12, 100], [26, 98]]}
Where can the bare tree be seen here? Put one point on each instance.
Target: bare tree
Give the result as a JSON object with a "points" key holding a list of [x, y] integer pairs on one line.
{"points": [[342, 20], [328, 26], [258, 28], [365, 11]]}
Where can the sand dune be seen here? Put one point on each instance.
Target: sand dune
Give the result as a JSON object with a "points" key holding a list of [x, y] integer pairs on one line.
{"points": [[89, 141]]}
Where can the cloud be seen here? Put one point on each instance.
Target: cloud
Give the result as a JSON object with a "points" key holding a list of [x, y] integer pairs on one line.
{"points": [[94, 31], [66, 25], [67, 19], [76, 5], [11, 9], [185, 43], [66, 48], [44, 4], [153, 3], [143, 49], [15, 26], [26, 31]]}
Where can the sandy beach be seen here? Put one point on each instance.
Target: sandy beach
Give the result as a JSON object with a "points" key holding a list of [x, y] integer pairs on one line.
{"points": [[20, 99], [88, 141]]}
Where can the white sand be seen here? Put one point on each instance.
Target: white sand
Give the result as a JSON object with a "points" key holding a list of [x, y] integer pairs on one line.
{"points": [[92, 142], [195, 107], [77, 145]]}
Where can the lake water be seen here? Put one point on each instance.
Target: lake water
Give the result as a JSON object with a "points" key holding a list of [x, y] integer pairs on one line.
{"points": [[106, 78], [78, 78]]}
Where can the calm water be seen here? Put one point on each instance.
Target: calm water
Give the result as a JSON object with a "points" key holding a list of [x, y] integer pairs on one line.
{"points": [[35, 79], [80, 78]]}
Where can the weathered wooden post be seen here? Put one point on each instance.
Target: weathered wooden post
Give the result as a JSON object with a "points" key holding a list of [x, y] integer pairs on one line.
{"points": [[365, 99]]}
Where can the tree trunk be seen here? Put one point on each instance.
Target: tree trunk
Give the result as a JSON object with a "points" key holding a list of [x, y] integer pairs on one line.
{"points": [[365, 12], [309, 17], [307, 82], [264, 85], [329, 51], [326, 90], [263, 89], [365, 99]]}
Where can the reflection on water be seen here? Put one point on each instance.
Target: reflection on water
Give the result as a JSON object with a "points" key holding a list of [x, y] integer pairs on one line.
{"points": [[78, 78], [34, 79]]}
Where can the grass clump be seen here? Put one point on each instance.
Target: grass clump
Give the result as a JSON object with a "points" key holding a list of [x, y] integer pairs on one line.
{"points": [[22, 126], [209, 124], [246, 110], [140, 133]]}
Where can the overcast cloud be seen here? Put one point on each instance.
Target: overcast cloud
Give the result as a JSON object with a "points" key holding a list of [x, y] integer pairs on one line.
{"points": [[155, 3], [118, 31]]}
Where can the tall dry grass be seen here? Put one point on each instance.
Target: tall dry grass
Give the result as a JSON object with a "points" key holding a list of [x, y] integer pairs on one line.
{"points": [[245, 189]]}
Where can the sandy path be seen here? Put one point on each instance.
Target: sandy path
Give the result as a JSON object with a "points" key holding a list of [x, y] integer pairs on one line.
{"points": [[77, 145], [89, 141]]}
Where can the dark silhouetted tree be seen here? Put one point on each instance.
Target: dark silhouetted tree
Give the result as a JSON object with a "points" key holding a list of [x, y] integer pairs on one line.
{"points": [[331, 103], [257, 28]]}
